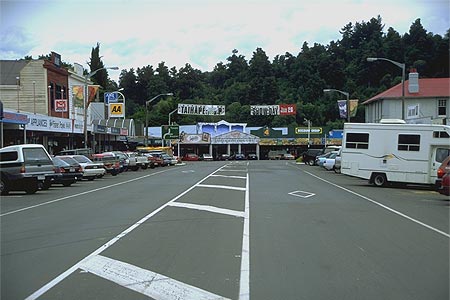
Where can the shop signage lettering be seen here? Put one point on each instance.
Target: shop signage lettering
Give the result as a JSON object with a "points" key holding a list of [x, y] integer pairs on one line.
{"points": [[199, 109]]}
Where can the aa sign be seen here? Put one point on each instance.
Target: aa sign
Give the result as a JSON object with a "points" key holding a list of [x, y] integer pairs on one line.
{"points": [[116, 110]]}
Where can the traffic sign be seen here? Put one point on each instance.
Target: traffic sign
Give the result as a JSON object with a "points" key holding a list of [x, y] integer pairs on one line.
{"points": [[170, 132], [116, 110], [111, 97], [312, 130]]}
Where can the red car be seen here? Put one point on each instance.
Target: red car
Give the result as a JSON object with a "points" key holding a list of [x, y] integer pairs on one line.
{"points": [[443, 180], [190, 157]]}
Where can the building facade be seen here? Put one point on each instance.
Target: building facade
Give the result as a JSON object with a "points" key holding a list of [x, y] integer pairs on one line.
{"points": [[425, 101]]}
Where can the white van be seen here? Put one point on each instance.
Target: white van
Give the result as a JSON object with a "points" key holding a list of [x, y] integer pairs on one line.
{"points": [[26, 167]]}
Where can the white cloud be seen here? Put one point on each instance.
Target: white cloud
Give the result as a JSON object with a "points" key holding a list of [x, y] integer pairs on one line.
{"points": [[136, 33]]}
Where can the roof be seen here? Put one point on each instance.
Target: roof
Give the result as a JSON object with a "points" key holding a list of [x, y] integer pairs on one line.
{"points": [[10, 69], [428, 88]]}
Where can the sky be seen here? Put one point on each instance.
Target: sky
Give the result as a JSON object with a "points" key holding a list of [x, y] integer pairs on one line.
{"points": [[138, 33]]}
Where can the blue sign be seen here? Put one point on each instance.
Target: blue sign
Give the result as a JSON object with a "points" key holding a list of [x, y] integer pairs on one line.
{"points": [[111, 97]]}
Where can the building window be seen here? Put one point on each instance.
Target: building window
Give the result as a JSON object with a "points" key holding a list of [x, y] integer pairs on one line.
{"points": [[357, 141], [408, 142], [442, 107]]}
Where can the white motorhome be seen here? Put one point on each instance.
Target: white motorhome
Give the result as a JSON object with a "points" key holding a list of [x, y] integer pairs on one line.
{"points": [[383, 152]]}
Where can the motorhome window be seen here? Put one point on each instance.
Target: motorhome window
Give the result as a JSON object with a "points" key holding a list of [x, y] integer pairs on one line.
{"points": [[357, 141], [440, 134], [408, 142], [441, 154]]}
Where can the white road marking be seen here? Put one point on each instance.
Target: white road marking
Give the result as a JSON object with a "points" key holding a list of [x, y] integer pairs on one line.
{"points": [[301, 194], [81, 194], [209, 208], [244, 283], [383, 206], [226, 187], [229, 176], [146, 282], [68, 272], [233, 170]]}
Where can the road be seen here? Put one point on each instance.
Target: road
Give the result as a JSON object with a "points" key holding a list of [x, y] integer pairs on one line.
{"points": [[226, 230]]}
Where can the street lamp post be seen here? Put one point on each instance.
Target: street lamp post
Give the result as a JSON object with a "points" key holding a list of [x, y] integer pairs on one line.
{"points": [[348, 100], [308, 122], [403, 67], [18, 90], [86, 94], [34, 96], [171, 113], [146, 114]]}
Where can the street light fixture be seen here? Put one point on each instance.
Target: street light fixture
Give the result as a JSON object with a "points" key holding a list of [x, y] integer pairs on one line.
{"points": [[400, 65], [86, 94], [346, 95], [146, 114]]}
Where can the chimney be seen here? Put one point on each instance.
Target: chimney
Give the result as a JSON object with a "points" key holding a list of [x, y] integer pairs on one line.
{"points": [[413, 82]]}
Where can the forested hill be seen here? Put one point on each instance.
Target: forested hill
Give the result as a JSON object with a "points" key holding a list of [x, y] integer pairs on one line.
{"points": [[291, 78]]}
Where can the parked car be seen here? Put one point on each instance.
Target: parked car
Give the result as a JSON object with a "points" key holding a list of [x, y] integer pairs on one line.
{"points": [[138, 160], [152, 160], [172, 161], [309, 157], [321, 159], [206, 157], [90, 169], [337, 164], [238, 156], [110, 162], [252, 156], [224, 157], [287, 156], [443, 177], [330, 161], [190, 157], [68, 171], [25, 168], [124, 160]]}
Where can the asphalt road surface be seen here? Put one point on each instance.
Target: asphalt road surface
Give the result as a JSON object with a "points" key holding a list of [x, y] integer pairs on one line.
{"points": [[225, 230]]}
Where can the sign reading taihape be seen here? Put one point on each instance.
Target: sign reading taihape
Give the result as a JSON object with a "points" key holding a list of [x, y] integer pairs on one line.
{"points": [[201, 109]]}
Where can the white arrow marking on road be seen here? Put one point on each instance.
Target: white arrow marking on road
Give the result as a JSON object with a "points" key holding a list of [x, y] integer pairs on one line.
{"points": [[146, 282], [221, 187]]}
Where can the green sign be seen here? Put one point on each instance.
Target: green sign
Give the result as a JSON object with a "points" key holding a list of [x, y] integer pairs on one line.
{"points": [[304, 130], [170, 132]]}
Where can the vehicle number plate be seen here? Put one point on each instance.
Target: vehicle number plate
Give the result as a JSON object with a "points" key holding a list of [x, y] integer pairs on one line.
{"points": [[41, 177], [95, 167], [72, 170]]}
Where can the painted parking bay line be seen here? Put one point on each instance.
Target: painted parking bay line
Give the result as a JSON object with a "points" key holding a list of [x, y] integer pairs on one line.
{"points": [[146, 282], [209, 208]]}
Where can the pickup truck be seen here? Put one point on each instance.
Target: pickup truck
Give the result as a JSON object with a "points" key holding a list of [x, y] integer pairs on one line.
{"points": [[137, 160]]}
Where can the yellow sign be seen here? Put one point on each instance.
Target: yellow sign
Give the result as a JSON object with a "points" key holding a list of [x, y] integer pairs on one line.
{"points": [[116, 110]]}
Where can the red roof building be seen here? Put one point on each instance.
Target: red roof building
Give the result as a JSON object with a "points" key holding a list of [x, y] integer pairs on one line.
{"points": [[426, 101]]}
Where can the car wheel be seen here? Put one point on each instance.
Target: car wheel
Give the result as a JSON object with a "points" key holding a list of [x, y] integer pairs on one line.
{"points": [[46, 185], [379, 180], [311, 162], [337, 170], [3, 188], [32, 188]]}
